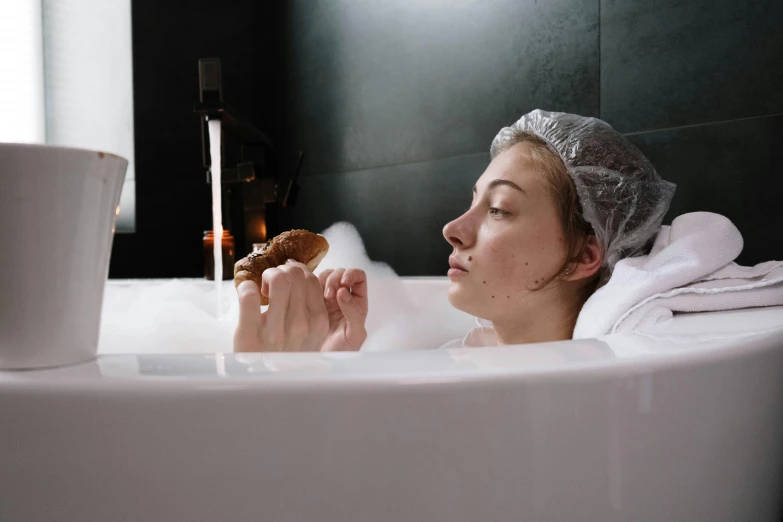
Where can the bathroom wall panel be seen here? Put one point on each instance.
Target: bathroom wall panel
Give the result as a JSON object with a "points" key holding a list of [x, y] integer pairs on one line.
{"points": [[399, 211], [388, 97], [167, 45], [372, 83], [173, 205], [169, 231], [732, 169], [666, 63]]}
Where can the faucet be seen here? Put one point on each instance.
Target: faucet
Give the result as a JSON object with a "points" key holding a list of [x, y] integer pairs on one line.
{"points": [[250, 193]]}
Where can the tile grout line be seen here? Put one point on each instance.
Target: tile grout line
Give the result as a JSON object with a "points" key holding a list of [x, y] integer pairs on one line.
{"points": [[703, 124], [600, 74], [384, 166]]}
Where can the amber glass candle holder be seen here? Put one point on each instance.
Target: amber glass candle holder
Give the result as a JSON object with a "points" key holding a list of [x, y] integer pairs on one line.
{"points": [[227, 248]]}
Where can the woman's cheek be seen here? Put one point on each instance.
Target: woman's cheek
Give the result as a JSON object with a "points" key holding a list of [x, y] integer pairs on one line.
{"points": [[508, 271]]}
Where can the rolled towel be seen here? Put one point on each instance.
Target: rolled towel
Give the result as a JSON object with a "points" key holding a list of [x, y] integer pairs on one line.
{"points": [[689, 268]]}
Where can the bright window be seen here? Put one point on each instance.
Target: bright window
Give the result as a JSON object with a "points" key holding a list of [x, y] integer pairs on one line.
{"points": [[66, 79], [21, 72]]}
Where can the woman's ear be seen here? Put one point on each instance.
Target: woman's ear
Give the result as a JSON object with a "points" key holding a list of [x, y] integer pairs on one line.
{"points": [[588, 261]]}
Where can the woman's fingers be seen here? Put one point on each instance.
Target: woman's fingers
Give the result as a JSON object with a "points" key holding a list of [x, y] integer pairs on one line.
{"points": [[277, 284], [355, 300], [333, 284], [317, 318], [315, 294], [297, 327], [353, 305], [301, 306], [246, 333], [249, 305], [356, 280], [322, 277]]}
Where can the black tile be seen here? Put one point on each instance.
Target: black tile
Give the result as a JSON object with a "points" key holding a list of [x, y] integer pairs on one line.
{"points": [[167, 44], [373, 83], [732, 169], [170, 221], [399, 211], [666, 63]]}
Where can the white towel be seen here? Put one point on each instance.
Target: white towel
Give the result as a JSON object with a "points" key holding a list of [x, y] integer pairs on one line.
{"points": [[690, 268]]}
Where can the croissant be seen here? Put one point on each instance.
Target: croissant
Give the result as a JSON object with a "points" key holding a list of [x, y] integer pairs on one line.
{"points": [[300, 245]]}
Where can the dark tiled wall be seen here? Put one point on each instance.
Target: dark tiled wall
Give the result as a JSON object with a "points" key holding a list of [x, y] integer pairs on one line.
{"points": [[399, 210], [377, 83], [668, 63], [699, 87], [395, 103], [375, 86], [173, 201], [730, 168]]}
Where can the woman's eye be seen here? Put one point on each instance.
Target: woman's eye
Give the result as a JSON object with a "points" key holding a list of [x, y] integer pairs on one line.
{"points": [[497, 212]]}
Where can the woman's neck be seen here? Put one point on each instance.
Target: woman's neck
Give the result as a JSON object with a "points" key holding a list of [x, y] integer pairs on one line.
{"points": [[550, 319]]}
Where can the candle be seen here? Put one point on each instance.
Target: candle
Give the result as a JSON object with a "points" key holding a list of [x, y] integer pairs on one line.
{"points": [[227, 248]]}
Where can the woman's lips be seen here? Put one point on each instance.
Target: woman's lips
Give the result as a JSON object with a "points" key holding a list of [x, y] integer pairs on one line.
{"points": [[456, 272], [456, 269]]}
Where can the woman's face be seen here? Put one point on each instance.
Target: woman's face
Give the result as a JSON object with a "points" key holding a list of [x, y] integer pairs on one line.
{"points": [[507, 243]]}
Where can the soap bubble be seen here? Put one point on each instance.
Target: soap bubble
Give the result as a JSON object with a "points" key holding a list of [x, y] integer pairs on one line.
{"points": [[167, 316], [183, 315]]}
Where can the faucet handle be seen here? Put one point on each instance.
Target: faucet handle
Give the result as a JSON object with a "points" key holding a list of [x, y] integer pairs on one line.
{"points": [[210, 82], [244, 172]]}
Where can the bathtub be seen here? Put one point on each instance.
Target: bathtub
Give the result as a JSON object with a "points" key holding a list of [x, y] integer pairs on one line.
{"points": [[679, 424]]}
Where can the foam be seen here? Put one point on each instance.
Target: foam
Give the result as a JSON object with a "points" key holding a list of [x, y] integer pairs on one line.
{"points": [[167, 316], [181, 315]]}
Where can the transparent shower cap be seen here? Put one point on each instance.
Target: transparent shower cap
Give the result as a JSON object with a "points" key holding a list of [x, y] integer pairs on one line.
{"points": [[621, 194]]}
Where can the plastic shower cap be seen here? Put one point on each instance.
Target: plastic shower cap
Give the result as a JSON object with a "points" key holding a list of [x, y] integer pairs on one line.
{"points": [[621, 194]]}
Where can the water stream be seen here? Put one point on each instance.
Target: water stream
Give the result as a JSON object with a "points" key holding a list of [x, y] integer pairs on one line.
{"points": [[217, 212]]}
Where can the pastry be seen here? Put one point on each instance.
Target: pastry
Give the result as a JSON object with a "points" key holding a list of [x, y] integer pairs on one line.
{"points": [[300, 245]]}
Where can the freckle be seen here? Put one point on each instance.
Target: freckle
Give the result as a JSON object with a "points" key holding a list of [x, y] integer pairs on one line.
{"points": [[485, 282], [493, 297], [508, 297], [470, 258], [525, 264]]}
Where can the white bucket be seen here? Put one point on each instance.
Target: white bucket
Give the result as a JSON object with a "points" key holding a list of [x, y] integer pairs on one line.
{"points": [[57, 213]]}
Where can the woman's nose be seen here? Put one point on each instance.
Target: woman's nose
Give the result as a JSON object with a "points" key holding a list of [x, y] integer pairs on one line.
{"points": [[457, 232]]}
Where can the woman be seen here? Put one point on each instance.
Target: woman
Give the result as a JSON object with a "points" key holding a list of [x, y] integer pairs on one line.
{"points": [[564, 198]]}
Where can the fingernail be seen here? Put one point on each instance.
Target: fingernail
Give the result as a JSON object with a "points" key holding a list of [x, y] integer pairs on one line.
{"points": [[290, 262], [328, 292]]}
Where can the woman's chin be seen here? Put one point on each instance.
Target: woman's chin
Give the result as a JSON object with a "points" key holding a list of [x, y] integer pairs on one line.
{"points": [[457, 297]]}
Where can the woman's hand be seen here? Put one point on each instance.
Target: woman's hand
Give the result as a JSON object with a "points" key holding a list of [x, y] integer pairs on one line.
{"points": [[345, 293], [296, 320]]}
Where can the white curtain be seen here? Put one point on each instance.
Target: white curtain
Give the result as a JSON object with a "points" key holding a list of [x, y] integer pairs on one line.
{"points": [[21, 72], [89, 84], [66, 79]]}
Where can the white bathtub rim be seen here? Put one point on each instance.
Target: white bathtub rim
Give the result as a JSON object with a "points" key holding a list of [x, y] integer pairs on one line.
{"points": [[116, 372]]}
